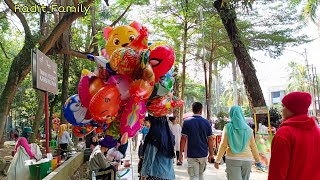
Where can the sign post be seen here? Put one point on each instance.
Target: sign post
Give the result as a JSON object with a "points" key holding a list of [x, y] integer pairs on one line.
{"points": [[45, 78]]}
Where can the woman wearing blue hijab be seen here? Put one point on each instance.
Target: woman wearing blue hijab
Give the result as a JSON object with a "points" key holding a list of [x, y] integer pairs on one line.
{"points": [[239, 144]]}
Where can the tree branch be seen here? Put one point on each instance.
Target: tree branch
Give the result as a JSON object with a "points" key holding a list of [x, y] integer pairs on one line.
{"points": [[75, 53], [65, 22], [3, 49], [21, 17], [121, 16]]}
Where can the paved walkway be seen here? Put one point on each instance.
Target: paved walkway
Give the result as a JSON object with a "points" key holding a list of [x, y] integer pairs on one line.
{"points": [[181, 171]]}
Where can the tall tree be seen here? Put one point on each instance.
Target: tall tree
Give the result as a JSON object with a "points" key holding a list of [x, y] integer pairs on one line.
{"points": [[298, 78], [21, 64], [64, 44], [179, 17], [310, 8], [228, 15]]}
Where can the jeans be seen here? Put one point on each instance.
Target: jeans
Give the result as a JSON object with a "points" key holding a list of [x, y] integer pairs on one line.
{"points": [[196, 168], [238, 169], [156, 164]]}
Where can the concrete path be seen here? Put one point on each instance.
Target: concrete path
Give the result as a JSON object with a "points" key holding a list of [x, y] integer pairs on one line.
{"points": [[181, 171]]}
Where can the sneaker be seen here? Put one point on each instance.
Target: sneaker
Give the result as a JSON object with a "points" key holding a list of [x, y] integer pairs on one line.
{"points": [[179, 163]]}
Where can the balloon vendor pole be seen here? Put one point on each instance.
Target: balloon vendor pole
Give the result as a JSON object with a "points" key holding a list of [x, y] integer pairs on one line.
{"points": [[46, 108]]}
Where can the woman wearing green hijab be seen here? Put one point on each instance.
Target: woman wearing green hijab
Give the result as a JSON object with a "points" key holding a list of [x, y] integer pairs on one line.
{"points": [[238, 142]]}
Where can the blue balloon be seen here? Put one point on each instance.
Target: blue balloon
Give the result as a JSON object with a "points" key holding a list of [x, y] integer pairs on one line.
{"points": [[109, 69], [75, 112]]}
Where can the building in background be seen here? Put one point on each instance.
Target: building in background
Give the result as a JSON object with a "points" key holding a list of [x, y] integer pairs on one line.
{"points": [[276, 93]]}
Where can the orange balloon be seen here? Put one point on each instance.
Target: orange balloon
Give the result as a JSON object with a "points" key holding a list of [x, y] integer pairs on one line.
{"points": [[105, 103], [96, 84], [140, 89]]}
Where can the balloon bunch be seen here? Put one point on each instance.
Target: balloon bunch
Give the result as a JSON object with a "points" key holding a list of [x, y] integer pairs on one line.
{"points": [[130, 79]]}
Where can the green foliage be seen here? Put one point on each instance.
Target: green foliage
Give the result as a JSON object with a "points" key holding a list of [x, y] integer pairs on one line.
{"points": [[23, 106], [228, 94], [246, 110], [271, 34], [298, 77], [275, 117], [221, 122], [310, 8], [193, 92]]}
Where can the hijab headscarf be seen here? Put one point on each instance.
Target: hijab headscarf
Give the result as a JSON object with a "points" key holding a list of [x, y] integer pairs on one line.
{"points": [[26, 132], [94, 143], [238, 131], [160, 136], [62, 128]]}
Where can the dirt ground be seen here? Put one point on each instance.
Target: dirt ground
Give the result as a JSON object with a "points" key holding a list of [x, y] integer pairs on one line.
{"points": [[82, 173], [6, 155]]}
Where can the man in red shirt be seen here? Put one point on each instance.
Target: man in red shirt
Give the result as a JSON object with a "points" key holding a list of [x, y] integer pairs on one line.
{"points": [[295, 150]]}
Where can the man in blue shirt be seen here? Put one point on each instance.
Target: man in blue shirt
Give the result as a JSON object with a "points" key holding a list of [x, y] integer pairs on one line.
{"points": [[197, 131]]}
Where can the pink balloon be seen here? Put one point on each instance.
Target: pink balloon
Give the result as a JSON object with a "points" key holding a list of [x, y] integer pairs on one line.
{"points": [[122, 83], [132, 117], [83, 90]]}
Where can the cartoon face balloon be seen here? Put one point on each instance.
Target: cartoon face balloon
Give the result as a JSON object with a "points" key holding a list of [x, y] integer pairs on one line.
{"points": [[75, 112], [120, 36], [105, 103], [161, 59]]}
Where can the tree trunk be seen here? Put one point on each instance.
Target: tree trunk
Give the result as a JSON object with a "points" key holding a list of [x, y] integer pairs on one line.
{"points": [[217, 86], [254, 92], [234, 83], [64, 43], [210, 87], [176, 92], [94, 31], [211, 60], [184, 54], [206, 89], [51, 112], [41, 95], [21, 64], [38, 116], [65, 84], [19, 69]]}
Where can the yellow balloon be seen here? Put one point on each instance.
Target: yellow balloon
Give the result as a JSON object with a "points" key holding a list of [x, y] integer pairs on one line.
{"points": [[85, 72], [157, 43]]}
